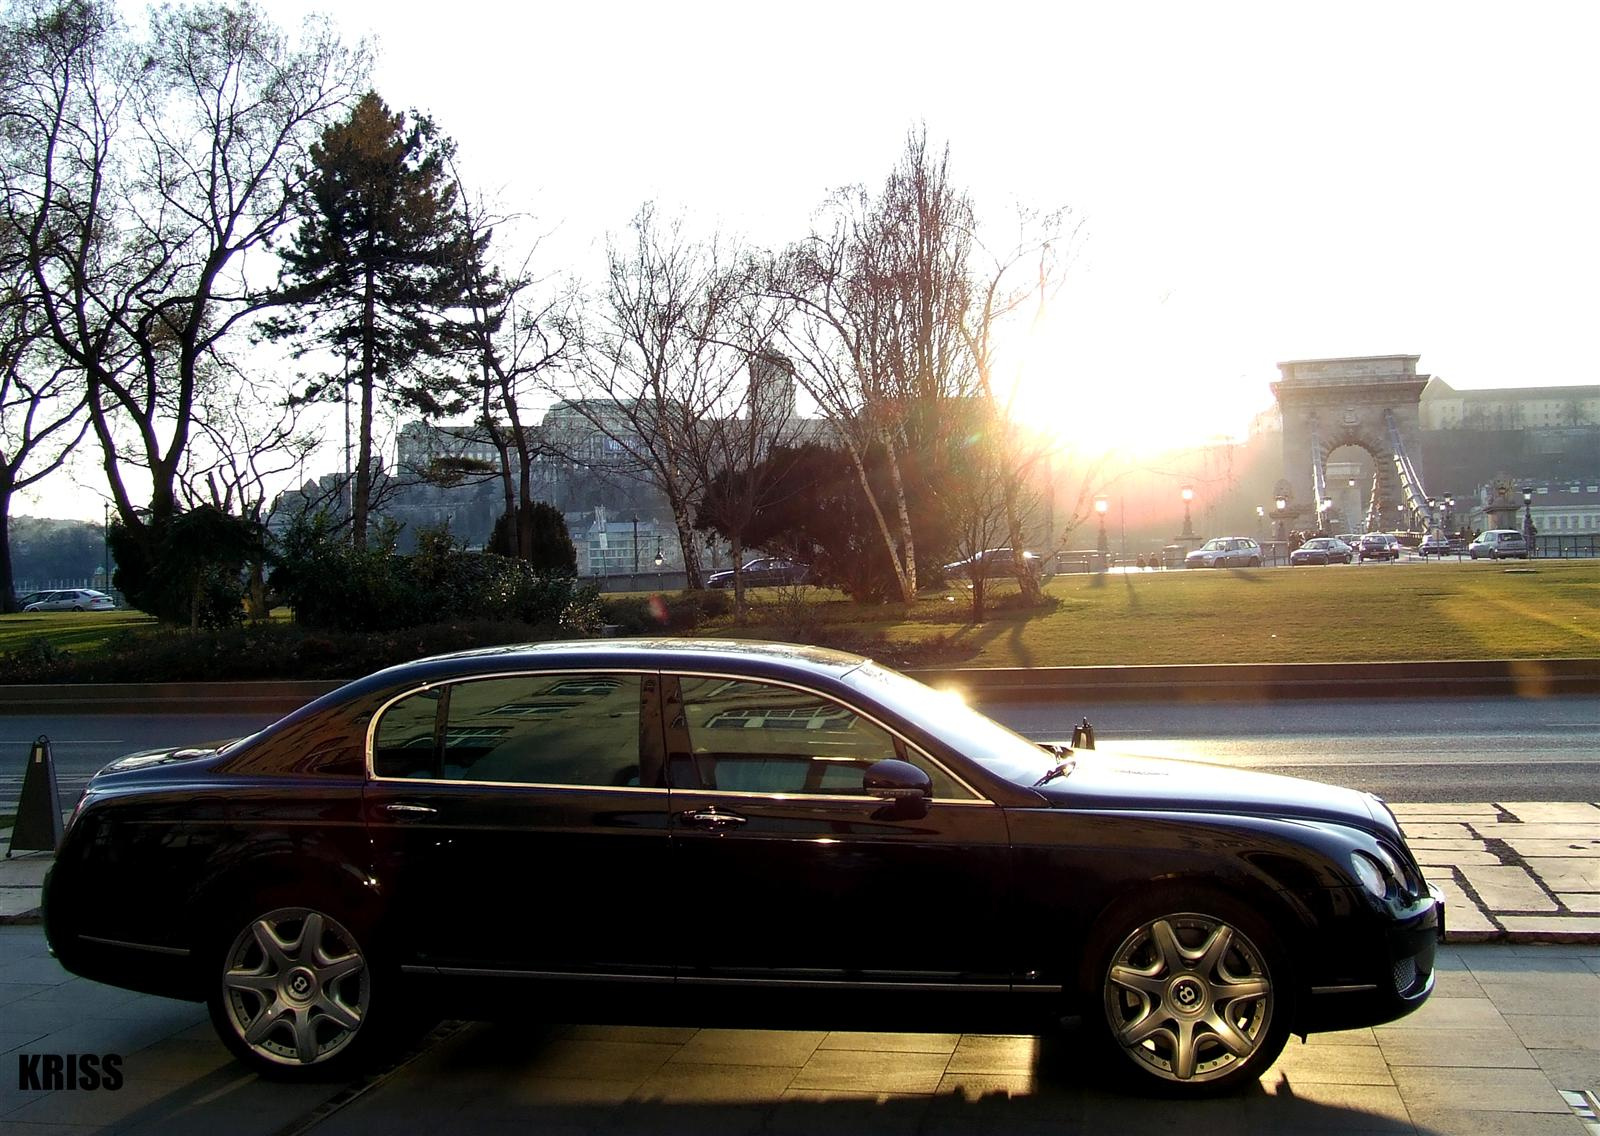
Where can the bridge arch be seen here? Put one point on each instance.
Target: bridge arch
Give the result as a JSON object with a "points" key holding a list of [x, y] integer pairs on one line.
{"points": [[1371, 402]]}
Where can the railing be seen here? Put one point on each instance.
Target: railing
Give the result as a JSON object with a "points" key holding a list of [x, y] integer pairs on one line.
{"points": [[1566, 546]]}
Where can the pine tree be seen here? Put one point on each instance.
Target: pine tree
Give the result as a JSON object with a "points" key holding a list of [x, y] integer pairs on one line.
{"points": [[378, 260]]}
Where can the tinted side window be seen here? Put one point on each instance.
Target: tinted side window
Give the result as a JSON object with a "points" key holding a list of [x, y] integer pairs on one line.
{"points": [[404, 744], [559, 729], [752, 737]]}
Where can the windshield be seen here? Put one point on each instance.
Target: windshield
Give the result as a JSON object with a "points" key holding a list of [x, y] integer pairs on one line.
{"points": [[979, 738], [1212, 546]]}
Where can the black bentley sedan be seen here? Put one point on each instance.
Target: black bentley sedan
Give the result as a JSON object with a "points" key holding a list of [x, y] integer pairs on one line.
{"points": [[686, 826]]}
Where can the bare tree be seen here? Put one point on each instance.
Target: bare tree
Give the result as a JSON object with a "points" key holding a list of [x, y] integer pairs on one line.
{"points": [[736, 452], [41, 416], [1028, 275], [515, 332], [659, 351], [143, 175], [879, 293], [250, 441]]}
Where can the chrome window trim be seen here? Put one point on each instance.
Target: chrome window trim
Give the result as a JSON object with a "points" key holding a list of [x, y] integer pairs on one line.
{"points": [[372, 773], [977, 797], [377, 717]]}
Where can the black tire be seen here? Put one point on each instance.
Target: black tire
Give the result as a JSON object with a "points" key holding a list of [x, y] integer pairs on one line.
{"points": [[296, 994], [1190, 994], [1255, 562], [75, 607]]}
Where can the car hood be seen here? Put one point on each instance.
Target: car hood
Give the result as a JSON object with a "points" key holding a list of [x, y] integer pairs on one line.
{"points": [[1117, 781]]}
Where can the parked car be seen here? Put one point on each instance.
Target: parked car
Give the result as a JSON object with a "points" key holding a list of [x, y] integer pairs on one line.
{"points": [[1498, 544], [551, 821], [763, 572], [997, 562], [1225, 552], [1322, 550], [1378, 546], [72, 599]]}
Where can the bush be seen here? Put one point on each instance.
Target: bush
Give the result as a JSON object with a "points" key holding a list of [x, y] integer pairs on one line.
{"points": [[665, 611], [333, 586]]}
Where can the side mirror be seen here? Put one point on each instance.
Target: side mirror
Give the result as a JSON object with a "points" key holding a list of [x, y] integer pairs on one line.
{"points": [[904, 788]]}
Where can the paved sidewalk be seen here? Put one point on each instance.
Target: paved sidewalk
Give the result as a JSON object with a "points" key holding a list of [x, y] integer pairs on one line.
{"points": [[1508, 1045], [1517, 871]]}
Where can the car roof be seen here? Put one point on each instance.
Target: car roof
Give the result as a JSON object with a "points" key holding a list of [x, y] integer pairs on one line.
{"points": [[752, 656]]}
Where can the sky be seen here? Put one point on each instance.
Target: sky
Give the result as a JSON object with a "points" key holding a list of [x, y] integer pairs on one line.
{"points": [[1255, 182]]}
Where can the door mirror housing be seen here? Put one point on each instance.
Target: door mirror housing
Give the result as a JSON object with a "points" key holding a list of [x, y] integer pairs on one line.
{"points": [[900, 785]]}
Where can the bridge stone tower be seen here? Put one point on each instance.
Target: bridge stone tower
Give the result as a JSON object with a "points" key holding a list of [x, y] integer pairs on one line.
{"points": [[1372, 402]]}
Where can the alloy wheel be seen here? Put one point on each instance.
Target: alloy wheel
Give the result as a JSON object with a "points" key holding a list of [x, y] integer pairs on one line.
{"points": [[1189, 998], [296, 987]]}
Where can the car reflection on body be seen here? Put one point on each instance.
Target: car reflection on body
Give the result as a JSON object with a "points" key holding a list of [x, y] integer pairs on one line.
{"points": [[1225, 552], [559, 821], [1322, 550], [763, 572]]}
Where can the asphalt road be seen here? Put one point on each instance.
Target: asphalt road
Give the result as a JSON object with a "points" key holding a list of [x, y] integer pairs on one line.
{"points": [[1492, 749]]}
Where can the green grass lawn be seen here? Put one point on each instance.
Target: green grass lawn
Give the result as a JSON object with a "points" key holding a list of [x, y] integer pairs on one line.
{"points": [[1374, 612], [1360, 613], [68, 630]]}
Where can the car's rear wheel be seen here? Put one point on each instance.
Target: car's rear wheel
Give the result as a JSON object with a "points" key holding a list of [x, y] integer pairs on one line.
{"points": [[1194, 995], [1254, 562], [294, 993]]}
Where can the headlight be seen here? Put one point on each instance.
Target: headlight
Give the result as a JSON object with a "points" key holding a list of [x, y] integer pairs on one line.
{"points": [[1371, 873]]}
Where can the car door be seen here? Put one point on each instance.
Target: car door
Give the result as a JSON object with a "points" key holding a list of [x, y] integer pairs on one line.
{"points": [[793, 874], [518, 821]]}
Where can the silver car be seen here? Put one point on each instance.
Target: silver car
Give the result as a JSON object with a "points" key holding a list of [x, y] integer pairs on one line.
{"points": [[73, 599], [1225, 552], [1499, 544]]}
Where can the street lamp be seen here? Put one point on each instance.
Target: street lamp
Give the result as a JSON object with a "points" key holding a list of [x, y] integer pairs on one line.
{"points": [[1188, 524], [1281, 505], [636, 544], [1527, 518], [1101, 504], [1261, 520]]}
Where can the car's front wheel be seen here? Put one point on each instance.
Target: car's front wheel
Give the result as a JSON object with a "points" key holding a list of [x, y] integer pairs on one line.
{"points": [[1195, 996], [293, 994]]}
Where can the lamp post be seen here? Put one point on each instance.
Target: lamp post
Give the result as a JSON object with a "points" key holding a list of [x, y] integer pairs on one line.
{"points": [[105, 549], [1188, 524], [1449, 517], [1280, 504], [1527, 519], [636, 544], [1101, 504], [1261, 521]]}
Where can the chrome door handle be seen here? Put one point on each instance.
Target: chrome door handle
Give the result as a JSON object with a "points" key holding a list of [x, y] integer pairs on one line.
{"points": [[711, 818], [410, 810]]}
